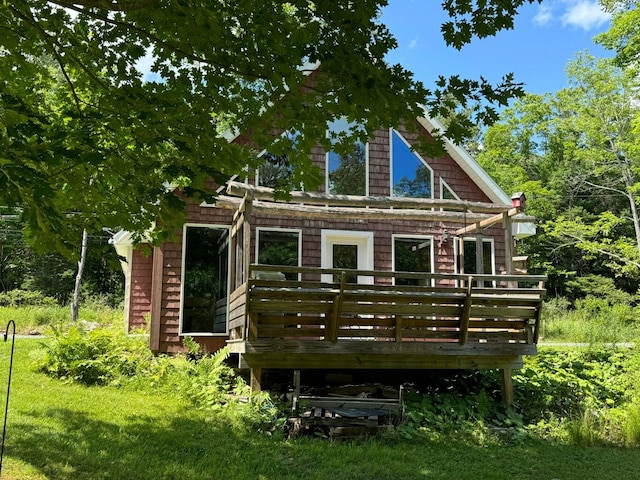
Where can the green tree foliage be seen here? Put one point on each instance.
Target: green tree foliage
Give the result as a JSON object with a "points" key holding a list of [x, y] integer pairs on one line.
{"points": [[575, 153], [86, 142], [23, 268], [350, 178]]}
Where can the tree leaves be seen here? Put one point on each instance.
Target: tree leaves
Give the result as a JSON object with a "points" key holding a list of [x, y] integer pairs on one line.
{"points": [[87, 142]]}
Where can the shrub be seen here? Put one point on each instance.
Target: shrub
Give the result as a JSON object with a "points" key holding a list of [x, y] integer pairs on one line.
{"points": [[18, 298], [98, 357], [107, 356]]}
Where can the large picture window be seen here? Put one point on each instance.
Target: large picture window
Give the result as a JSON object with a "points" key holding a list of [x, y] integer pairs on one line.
{"points": [[346, 171], [412, 254], [410, 175], [205, 272], [279, 247]]}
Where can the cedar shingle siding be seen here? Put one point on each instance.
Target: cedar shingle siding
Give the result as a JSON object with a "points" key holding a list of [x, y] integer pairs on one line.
{"points": [[379, 185]]}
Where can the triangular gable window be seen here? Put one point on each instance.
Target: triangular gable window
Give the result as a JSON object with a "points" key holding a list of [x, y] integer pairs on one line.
{"points": [[446, 192], [411, 176]]}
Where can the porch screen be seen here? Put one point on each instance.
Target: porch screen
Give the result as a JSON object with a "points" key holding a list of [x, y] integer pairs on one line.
{"points": [[204, 280]]}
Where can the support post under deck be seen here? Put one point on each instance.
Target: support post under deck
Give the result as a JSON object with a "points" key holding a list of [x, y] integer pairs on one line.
{"points": [[507, 386], [256, 379]]}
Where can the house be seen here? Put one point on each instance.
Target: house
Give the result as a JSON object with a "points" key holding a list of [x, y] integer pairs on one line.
{"points": [[398, 261]]}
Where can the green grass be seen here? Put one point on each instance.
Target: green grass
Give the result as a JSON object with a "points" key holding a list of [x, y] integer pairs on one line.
{"points": [[63, 431], [35, 319], [592, 320]]}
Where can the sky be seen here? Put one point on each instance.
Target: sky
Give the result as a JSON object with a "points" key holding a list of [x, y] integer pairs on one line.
{"points": [[545, 37]]}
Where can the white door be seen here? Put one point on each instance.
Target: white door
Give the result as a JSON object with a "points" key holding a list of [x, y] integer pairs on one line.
{"points": [[348, 250]]}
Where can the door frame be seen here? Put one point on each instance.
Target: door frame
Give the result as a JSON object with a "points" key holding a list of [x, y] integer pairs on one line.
{"points": [[364, 241]]}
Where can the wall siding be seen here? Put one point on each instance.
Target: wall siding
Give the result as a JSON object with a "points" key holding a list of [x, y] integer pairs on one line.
{"points": [[379, 185]]}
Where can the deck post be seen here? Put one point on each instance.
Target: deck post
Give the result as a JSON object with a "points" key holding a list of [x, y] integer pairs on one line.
{"points": [[256, 379], [466, 313], [507, 387], [296, 391], [156, 298], [331, 333]]}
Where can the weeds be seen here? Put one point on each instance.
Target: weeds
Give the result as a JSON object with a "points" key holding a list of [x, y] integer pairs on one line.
{"points": [[109, 357]]}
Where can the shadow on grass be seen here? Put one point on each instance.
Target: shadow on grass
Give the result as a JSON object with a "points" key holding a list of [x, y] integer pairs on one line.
{"points": [[71, 445]]}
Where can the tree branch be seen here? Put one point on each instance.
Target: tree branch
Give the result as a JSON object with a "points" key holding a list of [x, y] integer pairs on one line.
{"points": [[113, 6], [604, 252], [153, 38]]}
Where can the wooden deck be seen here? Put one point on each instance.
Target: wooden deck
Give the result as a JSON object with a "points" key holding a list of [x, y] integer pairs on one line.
{"points": [[446, 321]]}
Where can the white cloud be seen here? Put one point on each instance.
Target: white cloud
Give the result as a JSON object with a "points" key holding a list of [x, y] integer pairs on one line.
{"points": [[413, 43], [543, 16], [585, 14]]}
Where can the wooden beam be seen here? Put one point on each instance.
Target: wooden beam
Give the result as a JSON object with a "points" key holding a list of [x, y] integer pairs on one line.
{"points": [[487, 222], [296, 391], [256, 379], [239, 189], [509, 251], [466, 310], [375, 361], [390, 349], [362, 213], [332, 328], [156, 298], [507, 386]]}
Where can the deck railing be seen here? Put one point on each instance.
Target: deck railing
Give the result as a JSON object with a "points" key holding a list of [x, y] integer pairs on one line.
{"points": [[391, 307]]}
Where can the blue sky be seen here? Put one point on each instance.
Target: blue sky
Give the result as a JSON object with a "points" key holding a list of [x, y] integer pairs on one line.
{"points": [[544, 39]]}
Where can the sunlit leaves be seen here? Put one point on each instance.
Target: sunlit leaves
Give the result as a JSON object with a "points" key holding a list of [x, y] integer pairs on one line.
{"points": [[86, 142]]}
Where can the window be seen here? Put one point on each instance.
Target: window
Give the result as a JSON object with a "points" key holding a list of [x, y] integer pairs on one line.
{"points": [[279, 247], [412, 254], [446, 192], [276, 171], [205, 271], [410, 175], [470, 256], [346, 171]]}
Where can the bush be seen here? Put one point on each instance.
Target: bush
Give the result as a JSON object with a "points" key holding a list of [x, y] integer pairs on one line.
{"points": [[19, 298], [99, 357], [109, 357]]}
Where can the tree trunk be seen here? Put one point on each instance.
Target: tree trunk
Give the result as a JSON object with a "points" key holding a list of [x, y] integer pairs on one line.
{"points": [[75, 306], [628, 180]]}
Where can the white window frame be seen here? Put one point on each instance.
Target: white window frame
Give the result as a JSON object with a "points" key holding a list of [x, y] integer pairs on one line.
{"points": [[366, 167], [445, 184], [279, 229], [418, 156], [347, 237], [182, 273], [456, 250], [415, 237]]}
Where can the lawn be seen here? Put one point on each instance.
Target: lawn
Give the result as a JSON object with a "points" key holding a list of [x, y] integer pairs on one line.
{"points": [[61, 431]]}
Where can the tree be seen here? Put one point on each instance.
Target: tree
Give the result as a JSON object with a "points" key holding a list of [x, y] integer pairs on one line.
{"points": [[577, 151], [623, 37], [86, 142]]}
